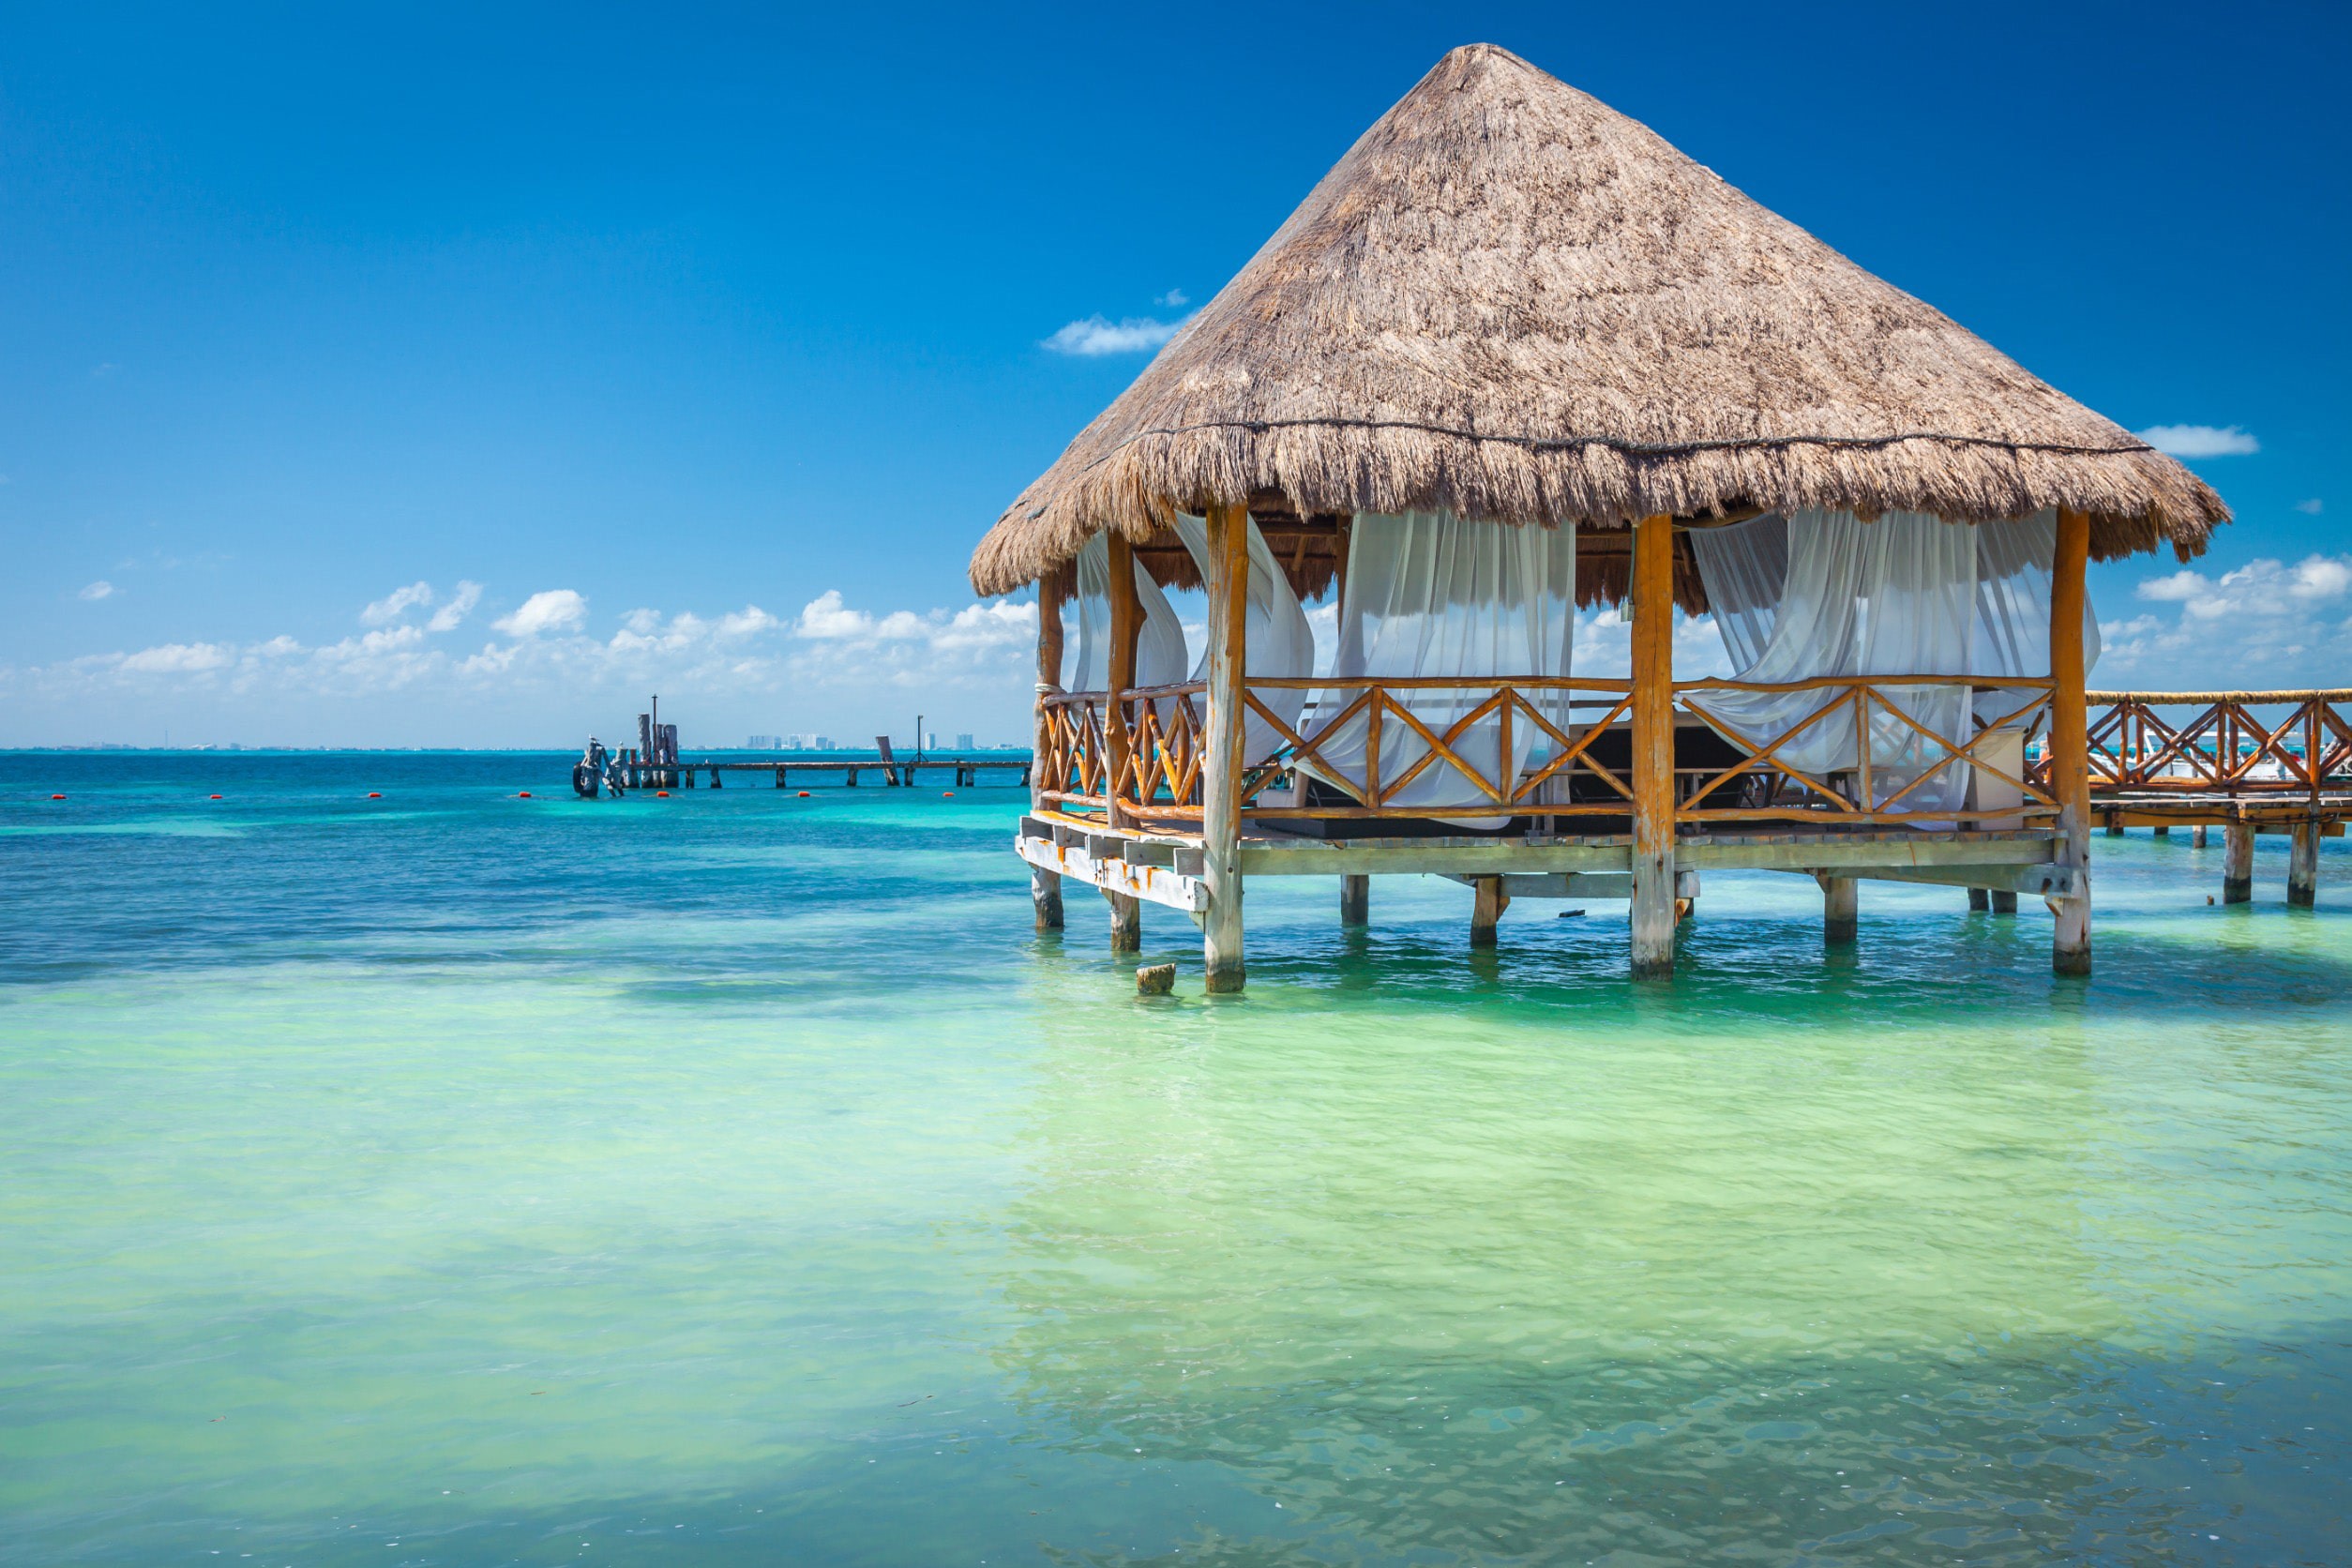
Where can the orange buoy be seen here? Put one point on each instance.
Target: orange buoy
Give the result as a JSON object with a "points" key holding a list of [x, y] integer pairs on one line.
{"points": [[216, 797], [375, 794], [661, 794], [803, 795], [523, 794], [947, 795], [56, 797]]}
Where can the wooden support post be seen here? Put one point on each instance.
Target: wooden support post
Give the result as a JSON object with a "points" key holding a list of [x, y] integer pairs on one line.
{"points": [[1126, 624], [2196, 836], [1355, 900], [1651, 601], [1980, 900], [2115, 825], [2004, 900], [2238, 863], [2303, 866], [1491, 901], [2162, 831], [1840, 908], [2070, 741], [1228, 587], [1127, 922], [1045, 887]]}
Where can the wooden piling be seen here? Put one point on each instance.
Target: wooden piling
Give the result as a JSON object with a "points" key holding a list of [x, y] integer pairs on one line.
{"points": [[1127, 922], [1652, 604], [2238, 863], [1355, 900], [2196, 836], [1486, 909], [1841, 910], [2004, 900], [1228, 586], [2069, 741], [1045, 887], [1980, 900], [2303, 866]]}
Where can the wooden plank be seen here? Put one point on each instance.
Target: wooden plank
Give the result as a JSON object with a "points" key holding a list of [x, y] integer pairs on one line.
{"points": [[1855, 850], [1153, 884], [1426, 857], [1127, 623]]}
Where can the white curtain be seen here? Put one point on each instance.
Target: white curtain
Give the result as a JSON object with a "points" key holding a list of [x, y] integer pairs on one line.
{"points": [[1159, 647], [1428, 594], [1276, 641], [1818, 594]]}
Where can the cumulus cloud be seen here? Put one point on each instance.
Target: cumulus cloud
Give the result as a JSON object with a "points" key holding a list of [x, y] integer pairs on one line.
{"points": [[1096, 336], [551, 609], [2201, 440], [1174, 299], [177, 659], [101, 589], [2265, 620], [394, 603], [826, 616], [460, 605], [2311, 508]]}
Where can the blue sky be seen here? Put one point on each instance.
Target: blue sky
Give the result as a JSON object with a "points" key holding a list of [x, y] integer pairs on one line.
{"points": [[634, 334]]}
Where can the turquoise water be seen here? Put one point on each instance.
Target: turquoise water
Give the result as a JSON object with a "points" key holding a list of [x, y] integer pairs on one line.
{"points": [[456, 1179]]}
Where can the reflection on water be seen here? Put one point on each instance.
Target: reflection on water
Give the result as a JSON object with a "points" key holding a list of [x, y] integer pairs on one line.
{"points": [[737, 1179]]}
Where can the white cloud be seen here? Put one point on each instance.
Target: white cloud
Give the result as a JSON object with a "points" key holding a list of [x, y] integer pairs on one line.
{"points": [[1174, 299], [460, 605], [101, 589], [2201, 440], [549, 609], [826, 617], [178, 658], [390, 607], [2311, 508], [1096, 336], [2266, 623]]}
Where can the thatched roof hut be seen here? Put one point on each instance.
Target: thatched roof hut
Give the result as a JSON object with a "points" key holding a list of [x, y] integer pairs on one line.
{"points": [[1512, 303]]}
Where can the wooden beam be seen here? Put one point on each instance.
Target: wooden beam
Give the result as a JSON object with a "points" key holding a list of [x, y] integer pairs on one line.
{"points": [[1045, 886], [1487, 909], [1355, 900], [2069, 744], [1227, 583], [1126, 624], [1651, 602]]}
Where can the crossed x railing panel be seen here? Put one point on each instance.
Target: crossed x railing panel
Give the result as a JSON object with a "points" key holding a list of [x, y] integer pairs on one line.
{"points": [[2223, 747], [1866, 698]]}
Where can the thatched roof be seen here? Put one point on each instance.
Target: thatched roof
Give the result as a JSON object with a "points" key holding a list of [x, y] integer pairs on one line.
{"points": [[1512, 302]]}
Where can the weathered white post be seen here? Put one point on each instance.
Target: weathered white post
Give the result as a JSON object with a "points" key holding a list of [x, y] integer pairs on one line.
{"points": [[2238, 863], [2303, 866], [1126, 624], [1228, 585]]}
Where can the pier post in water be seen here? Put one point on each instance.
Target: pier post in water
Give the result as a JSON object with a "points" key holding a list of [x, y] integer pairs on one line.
{"points": [[1980, 900], [1126, 921], [1491, 901], [1355, 900], [2196, 836], [2070, 741], [1841, 910], [1651, 601], [2004, 900], [2303, 866], [2238, 863], [1228, 586]]}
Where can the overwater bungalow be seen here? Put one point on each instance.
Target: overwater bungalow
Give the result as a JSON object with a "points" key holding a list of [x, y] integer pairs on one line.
{"points": [[1513, 356]]}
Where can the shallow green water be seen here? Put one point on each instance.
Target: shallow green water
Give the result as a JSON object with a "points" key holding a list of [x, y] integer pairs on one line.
{"points": [[455, 1179]]}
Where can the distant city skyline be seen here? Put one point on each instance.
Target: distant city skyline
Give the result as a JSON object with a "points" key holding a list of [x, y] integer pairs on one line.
{"points": [[439, 381]]}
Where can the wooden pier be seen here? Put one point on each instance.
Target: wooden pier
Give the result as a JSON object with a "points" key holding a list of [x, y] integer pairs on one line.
{"points": [[629, 770]]}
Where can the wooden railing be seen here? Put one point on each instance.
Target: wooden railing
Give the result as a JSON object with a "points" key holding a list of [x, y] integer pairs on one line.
{"points": [[1764, 786], [2222, 747], [1158, 781]]}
